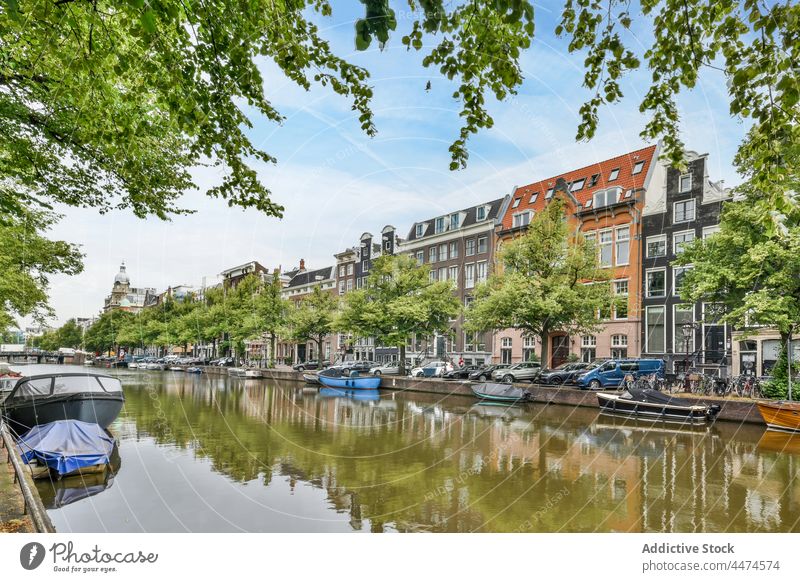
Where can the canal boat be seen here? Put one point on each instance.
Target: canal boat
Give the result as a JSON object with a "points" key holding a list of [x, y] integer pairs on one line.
{"points": [[45, 398], [66, 448], [253, 373], [494, 392], [237, 372], [176, 369], [653, 404], [780, 415], [333, 378], [194, 370], [311, 378]]}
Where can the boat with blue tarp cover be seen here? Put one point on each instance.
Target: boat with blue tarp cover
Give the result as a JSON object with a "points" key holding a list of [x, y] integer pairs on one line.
{"points": [[67, 447], [493, 391], [333, 378]]}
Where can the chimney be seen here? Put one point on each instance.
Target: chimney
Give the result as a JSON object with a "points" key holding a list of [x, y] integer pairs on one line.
{"points": [[302, 264]]}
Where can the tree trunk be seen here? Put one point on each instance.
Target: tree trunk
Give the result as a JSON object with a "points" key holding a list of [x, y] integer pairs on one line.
{"points": [[273, 348], [319, 350], [544, 337], [402, 363]]}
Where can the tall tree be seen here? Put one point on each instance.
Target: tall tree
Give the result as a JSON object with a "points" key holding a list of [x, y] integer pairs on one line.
{"points": [[102, 334], [269, 313], [70, 335], [550, 281], [397, 301], [312, 318], [751, 270]]}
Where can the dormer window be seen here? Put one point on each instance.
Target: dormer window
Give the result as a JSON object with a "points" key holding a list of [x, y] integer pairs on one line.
{"points": [[420, 229], [607, 197], [637, 167], [577, 185], [534, 196], [593, 181], [549, 194], [613, 175], [440, 224], [453, 221], [516, 202], [481, 213], [588, 203]]}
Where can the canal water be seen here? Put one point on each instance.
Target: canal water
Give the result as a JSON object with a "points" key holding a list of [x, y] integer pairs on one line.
{"points": [[218, 454]]}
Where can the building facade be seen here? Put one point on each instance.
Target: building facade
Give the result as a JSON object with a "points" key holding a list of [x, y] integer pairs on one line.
{"points": [[127, 298], [458, 246], [685, 206]]}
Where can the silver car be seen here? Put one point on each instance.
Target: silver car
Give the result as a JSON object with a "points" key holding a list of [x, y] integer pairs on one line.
{"points": [[518, 372], [390, 368]]}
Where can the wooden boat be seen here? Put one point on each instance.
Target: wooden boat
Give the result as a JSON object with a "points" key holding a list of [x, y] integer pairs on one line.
{"points": [[311, 378], [333, 378], [653, 404], [780, 415], [45, 398], [495, 392]]}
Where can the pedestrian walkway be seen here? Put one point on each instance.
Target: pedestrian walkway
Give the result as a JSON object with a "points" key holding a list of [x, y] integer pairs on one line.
{"points": [[12, 514]]}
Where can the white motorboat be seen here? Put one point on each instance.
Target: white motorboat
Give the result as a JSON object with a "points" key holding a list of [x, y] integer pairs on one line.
{"points": [[253, 373]]}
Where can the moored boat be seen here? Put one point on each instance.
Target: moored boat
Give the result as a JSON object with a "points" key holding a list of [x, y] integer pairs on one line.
{"points": [[780, 415], [66, 448], [45, 398], [133, 365], [176, 369], [500, 392], [311, 378], [253, 374], [333, 378], [236, 372], [194, 370], [653, 404]]}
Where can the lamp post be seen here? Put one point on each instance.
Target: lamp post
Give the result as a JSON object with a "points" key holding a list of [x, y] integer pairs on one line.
{"points": [[688, 331]]}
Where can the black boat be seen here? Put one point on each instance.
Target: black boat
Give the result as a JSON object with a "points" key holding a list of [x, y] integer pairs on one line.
{"points": [[500, 392], [48, 398], [653, 404]]}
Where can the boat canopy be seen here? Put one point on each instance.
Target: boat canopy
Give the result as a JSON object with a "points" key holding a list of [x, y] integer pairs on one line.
{"points": [[67, 445], [62, 385]]}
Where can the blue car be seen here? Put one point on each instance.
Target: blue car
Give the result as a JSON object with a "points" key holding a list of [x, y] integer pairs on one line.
{"points": [[613, 372]]}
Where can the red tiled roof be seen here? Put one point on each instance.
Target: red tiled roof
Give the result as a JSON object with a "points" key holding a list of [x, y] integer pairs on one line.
{"points": [[625, 179]]}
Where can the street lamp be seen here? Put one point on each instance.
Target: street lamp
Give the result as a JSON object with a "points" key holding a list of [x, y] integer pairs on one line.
{"points": [[688, 331]]}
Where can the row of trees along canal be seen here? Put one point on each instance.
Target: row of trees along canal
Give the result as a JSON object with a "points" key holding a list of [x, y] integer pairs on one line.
{"points": [[539, 287]]}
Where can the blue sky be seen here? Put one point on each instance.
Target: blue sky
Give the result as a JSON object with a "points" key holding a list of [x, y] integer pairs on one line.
{"points": [[336, 183]]}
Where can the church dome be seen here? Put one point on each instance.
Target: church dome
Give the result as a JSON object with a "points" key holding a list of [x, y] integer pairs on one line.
{"points": [[122, 276]]}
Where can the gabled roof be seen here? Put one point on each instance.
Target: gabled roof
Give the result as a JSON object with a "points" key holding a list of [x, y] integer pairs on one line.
{"points": [[600, 171], [470, 218], [310, 277]]}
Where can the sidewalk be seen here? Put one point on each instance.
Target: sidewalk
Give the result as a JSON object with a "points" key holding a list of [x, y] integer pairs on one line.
{"points": [[12, 518]]}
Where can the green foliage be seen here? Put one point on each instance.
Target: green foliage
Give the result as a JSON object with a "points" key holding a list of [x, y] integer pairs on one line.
{"points": [[397, 301], [68, 335], [312, 318], [102, 335], [778, 386], [27, 260], [542, 286]]}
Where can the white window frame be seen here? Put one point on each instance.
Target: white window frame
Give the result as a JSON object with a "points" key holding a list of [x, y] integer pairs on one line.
{"points": [[637, 168], [710, 230], [682, 233], [420, 257], [691, 201], [433, 254], [481, 265], [457, 221], [452, 273], [577, 185], [485, 240], [420, 230], [589, 341], [678, 345], [617, 242], [656, 238], [519, 216], [439, 225], [516, 202], [601, 245], [469, 280], [467, 252], [681, 189], [616, 342], [442, 252], [613, 174], [647, 282], [647, 328], [626, 295], [350, 269], [675, 278]]}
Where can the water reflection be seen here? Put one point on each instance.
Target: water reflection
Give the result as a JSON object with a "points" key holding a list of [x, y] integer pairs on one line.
{"points": [[57, 493], [218, 454]]}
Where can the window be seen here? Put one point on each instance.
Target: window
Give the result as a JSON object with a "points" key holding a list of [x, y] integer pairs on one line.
{"points": [[606, 197], [453, 250], [534, 196], [483, 245], [469, 276], [480, 269], [710, 230], [613, 175], [452, 274], [588, 341], [350, 269], [681, 238], [681, 344], [593, 181], [677, 279], [516, 202], [341, 287], [505, 350], [420, 228], [440, 224], [521, 219], [637, 167], [470, 247], [453, 221], [341, 271], [549, 194], [468, 301], [481, 213], [420, 257], [359, 283], [588, 348], [577, 185], [621, 301], [349, 284], [657, 283], [443, 274], [685, 183], [528, 347], [443, 252], [432, 254], [432, 275], [591, 237], [656, 246], [619, 346], [654, 323], [387, 245], [714, 335], [623, 244], [683, 211], [605, 246]]}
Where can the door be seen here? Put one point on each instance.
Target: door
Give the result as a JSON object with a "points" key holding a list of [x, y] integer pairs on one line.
{"points": [[301, 352], [606, 372], [560, 350]]}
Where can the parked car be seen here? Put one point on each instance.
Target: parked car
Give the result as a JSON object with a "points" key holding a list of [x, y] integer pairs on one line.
{"points": [[613, 372], [390, 368], [518, 372], [225, 362], [362, 366], [486, 373], [433, 369], [462, 373], [309, 365], [561, 374]]}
